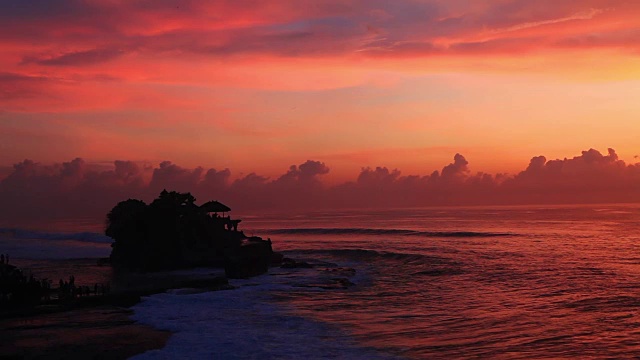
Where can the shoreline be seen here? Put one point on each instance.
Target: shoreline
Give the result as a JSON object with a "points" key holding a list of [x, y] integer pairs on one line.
{"points": [[101, 332], [98, 326]]}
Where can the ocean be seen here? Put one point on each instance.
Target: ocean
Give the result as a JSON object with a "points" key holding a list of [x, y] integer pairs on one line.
{"points": [[452, 283]]}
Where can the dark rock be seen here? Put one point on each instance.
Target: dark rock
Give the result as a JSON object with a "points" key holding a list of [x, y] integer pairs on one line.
{"points": [[342, 271], [343, 282], [172, 233], [288, 263], [276, 259], [330, 284], [249, 259]]}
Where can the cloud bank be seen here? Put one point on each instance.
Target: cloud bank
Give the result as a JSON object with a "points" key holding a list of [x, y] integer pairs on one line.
{"points": [[102, 30], [88, 76], [136, 40], [33, 191]]}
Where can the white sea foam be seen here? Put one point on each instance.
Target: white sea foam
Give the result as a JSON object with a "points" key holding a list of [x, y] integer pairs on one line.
{"points": [[242, 324]]}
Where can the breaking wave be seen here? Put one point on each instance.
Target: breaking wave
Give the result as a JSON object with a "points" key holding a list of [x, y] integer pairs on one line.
{"points": [[374, 232]]}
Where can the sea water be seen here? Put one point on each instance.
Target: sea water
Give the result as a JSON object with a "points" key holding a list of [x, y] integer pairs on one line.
{"points": [[499, 282]]}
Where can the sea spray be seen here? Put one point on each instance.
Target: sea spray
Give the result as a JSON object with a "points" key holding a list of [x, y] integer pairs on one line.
{"points": [[244, 323]]}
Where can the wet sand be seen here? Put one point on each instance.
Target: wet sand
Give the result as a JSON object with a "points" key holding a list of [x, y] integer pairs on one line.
{"points": [[104, 332], [98, 327]]}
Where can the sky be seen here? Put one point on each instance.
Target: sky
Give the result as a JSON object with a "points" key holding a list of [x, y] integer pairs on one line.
{"points": [[355, 85]]}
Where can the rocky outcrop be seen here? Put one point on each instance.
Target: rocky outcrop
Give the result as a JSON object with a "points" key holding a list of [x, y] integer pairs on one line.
{"points": [[251, 258], [173, 232], [288, 263]]}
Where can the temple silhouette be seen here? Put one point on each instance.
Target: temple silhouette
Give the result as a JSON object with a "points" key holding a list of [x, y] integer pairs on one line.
{"points": [[172, 232]]}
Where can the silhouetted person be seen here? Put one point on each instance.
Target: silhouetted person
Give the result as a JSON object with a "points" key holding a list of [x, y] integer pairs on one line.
{"points": [[46, 288], [47, 295], [2, 259]]}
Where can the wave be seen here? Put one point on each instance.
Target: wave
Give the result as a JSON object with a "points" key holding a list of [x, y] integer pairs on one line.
{"points": [[246, 326], [396, 263], [365, 254], [16, 233], [365, 231]]}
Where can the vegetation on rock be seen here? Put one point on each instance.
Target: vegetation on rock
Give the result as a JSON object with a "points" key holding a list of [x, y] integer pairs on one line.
{"points": [[173, 232]]}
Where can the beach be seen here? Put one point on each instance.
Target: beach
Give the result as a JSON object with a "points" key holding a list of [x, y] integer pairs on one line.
{"points": [[477, 282], [103, 332], [359, 180], [95, 326]]}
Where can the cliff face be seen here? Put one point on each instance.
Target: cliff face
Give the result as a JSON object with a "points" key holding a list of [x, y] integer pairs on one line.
{"points": [[172, 232], [252, 257]]}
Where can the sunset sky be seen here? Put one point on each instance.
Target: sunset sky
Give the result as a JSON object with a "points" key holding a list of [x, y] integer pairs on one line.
{"points": [[256, 86]]}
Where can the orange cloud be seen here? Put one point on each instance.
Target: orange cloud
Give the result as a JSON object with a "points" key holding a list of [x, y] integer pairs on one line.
{"points": [[76, 188], [188, 80]]}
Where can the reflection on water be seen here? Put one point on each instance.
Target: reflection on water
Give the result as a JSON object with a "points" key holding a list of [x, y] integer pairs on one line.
{"points": [[565, 284], [500, 282]]}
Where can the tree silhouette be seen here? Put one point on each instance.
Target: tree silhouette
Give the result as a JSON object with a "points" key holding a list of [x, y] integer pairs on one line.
{"points": [[125, 224], [171, 232]]}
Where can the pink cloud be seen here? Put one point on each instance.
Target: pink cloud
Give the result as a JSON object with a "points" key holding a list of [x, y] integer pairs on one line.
{"points": [[74, 188], [87, 77], [307, 28]]}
